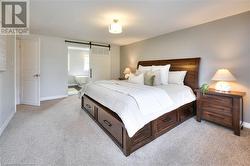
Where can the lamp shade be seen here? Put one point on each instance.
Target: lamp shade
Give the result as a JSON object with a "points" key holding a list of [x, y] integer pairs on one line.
{"points": [[223, 75], [127, 70]]}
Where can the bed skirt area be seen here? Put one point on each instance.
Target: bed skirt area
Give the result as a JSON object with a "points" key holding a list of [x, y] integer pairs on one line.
{"points": [[114, 128]]}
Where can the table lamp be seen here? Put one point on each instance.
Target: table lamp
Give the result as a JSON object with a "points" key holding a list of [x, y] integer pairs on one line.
{"points": [[127, 72], [223, 76]]}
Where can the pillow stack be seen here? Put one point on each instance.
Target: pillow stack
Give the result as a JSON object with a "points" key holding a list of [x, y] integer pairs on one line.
{"points": [[157, 75], [163, 76]]}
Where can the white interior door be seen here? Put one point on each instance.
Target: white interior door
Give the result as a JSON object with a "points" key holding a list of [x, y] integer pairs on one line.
{"points": [[30, 72], [100, 64]]}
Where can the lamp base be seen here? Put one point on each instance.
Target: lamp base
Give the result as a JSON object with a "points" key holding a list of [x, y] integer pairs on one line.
{"points": [[223, 86]]}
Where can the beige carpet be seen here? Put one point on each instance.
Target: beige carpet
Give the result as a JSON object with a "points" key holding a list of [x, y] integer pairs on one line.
{"points": [[59, 133]]}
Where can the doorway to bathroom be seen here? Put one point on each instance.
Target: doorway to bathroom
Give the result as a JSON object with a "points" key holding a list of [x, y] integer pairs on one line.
{"points": [[78, 68]]}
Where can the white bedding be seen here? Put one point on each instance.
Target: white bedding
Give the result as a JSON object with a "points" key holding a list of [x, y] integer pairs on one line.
{"points": [[148, 99], [126, 106]]}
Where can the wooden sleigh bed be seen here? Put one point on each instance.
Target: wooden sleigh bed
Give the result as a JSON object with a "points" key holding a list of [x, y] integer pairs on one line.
{"points": [[114, 127]]}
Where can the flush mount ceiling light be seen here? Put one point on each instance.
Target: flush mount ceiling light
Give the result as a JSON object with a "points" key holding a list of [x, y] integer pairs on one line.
{"points": [[115, 27]]}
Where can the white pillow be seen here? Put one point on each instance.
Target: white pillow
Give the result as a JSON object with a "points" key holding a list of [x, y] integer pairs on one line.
{"points": [[164, 70], [144, 69], [137, 72], [176, 77], [137, 79]]}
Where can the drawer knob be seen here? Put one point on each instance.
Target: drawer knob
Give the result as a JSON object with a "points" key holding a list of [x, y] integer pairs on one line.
{"points": [[107, 123]]}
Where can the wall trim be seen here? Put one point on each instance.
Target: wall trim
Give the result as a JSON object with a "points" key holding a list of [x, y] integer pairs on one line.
{"points": [[6, 122], [246, 125], [52, 97]]}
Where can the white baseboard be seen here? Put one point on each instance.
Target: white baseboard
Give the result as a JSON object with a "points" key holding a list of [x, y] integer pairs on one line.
{"points": [[6, 122], [52, 97], [246, 125]]}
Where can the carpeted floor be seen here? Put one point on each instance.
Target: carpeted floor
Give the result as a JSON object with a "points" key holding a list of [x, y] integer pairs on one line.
{"points": [[59, 133]]}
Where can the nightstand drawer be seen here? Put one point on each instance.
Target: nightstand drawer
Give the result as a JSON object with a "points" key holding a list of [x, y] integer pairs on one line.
{"points": [[211, 100], [216, 108], [220, 119]]}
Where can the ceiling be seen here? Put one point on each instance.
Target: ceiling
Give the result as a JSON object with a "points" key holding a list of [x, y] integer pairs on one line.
{"points": [[141, 19]]}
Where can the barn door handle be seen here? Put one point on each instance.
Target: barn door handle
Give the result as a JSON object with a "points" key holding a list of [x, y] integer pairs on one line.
{"points": [[108, 123], [90, 73]]}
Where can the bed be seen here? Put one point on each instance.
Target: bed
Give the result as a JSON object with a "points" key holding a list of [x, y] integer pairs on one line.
{"points": [[129, 140]]}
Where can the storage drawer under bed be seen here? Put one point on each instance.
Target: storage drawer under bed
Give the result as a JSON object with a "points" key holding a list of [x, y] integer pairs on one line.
{"points": [[89, 105], [166, 122], [111, 124]]}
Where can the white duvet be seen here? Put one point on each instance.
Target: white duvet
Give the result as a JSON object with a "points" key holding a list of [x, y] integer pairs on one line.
{"points": [[138, 104], [148, 99]]}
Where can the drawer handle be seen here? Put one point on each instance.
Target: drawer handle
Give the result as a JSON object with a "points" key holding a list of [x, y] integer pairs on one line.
{"points": [[88, 106], [167, 119], [107, 123]]}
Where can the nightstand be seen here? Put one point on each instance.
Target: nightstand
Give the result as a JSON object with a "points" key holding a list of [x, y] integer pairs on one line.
{"points": [[224, 108]]}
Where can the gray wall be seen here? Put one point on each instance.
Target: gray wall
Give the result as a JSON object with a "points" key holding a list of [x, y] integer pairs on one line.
{"points": [[224, 43], [7, 84], [115, 61]]}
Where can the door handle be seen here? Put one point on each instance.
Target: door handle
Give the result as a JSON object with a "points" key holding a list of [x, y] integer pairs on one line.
{"points": [[36, 75]]}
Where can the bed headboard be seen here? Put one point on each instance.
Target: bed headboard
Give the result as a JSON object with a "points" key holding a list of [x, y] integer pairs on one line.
{"points": [[191, 65]]}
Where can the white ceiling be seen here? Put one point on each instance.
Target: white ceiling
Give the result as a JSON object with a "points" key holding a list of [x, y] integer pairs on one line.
{"points": [[141, 19]]}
